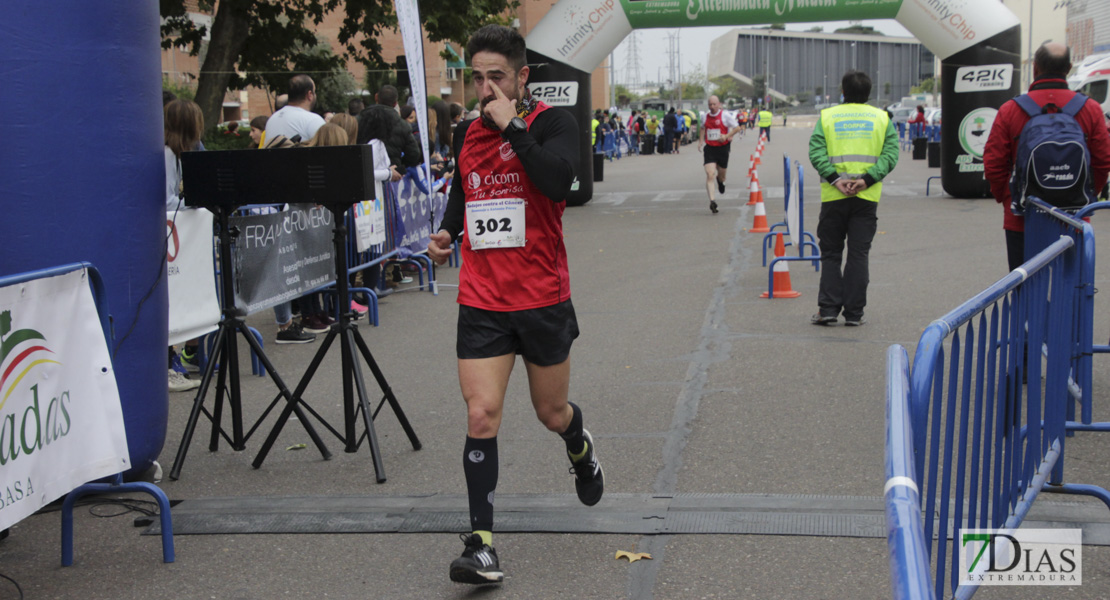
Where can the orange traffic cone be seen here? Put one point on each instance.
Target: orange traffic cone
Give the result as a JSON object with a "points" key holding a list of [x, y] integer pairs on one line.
{"points": [[780, 284], [755, 195], [751, 164], [759, 223], [756, 160]]}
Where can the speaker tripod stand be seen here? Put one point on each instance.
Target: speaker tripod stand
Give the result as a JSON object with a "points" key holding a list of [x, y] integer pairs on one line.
{"points": [[352, 349], [226, 353]]}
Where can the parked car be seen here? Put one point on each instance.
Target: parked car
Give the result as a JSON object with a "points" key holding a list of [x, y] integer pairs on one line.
{"points": [[932, 116], [901, 115]]}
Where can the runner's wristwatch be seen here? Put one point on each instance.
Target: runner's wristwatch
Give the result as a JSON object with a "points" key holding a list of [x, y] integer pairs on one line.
{"points": [[516, 125]]}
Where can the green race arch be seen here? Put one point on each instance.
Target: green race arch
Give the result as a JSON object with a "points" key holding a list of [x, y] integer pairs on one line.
{"points": [[977, 41]]}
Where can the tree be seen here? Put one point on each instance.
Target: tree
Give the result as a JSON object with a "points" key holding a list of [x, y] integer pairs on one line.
{"points": [[182, 90], [271, 36], [695, 83], [693, 90], [725, 87], [925, 87], [816, 29], [624, 95]]}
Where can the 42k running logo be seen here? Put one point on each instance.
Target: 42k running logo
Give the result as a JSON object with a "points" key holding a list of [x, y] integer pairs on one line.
{"points": [[20, 352]]}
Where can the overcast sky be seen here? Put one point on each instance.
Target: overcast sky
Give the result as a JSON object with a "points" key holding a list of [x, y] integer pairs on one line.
{"points": [[694, 45]]}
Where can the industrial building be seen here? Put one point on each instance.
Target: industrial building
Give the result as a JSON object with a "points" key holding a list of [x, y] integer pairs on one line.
{"points": [[807, 66]]}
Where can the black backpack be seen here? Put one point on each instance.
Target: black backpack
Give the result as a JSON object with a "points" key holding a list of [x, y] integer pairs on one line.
{"points": [[1053, 161]]}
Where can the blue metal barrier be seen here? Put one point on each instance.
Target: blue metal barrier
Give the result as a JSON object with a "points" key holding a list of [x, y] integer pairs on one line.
{"points": [[1002, 439], [909, 554], [1041, 226], [116, 486], [806, 239]]}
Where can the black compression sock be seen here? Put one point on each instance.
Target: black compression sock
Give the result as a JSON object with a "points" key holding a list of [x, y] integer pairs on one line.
{"points": [[573, 437], [480, 468]]}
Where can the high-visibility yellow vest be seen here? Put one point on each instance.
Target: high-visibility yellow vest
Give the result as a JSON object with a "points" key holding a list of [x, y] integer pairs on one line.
{"points": [[593, 132], [854, 136], [765, 118]]}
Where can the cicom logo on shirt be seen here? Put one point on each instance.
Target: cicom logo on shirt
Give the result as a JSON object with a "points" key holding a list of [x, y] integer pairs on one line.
{"points": [[506, 151], [474, 180]]}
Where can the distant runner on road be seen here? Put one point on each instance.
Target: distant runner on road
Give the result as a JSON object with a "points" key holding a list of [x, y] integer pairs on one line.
{"points": [[717, 130]]}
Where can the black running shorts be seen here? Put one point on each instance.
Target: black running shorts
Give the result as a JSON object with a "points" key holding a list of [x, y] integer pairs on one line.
{"points": [[717, 154], [541, 335]]}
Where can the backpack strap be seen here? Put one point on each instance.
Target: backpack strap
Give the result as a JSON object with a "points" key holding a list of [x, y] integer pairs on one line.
{"points": [[1074, 105], [1027, 104]]}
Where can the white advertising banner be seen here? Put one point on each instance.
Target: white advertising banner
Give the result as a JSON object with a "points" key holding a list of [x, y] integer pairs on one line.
{"points": [[581, 33], [408, 21], [369, 224], [793, 228], [983, 78], [948, 26], [555, 93], [194, 308], [61, 424]]}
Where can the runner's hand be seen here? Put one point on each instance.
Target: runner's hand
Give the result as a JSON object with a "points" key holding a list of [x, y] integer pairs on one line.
{"points": [[500, 110], [439, 248]]}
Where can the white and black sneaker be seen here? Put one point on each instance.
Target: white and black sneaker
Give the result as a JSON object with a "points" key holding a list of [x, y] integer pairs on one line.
{"points": [[478, 564], [589, 480]]}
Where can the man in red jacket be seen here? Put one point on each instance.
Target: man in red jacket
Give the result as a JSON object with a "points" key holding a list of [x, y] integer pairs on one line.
{"points": [[1051, 64]]}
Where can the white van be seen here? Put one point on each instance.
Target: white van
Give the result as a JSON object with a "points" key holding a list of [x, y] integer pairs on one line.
{"points": [[1092, 78]]}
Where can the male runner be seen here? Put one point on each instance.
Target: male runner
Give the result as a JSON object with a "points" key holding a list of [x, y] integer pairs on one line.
{"points": [[514, 171], [716, 134]]}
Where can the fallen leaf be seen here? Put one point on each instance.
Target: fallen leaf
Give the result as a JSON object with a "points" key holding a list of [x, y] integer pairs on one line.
{"points": [[632, 556], [297, 447]]}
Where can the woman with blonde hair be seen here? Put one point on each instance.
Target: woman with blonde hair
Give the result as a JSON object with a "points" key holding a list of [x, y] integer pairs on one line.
{"points": [[349, 124], [329, 134]]}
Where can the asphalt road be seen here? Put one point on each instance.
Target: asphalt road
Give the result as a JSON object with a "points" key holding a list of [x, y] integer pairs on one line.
{"points": [[690, 383]]}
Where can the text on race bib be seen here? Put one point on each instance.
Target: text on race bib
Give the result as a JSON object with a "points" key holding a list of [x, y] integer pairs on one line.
{"points": [[713, 135], [495, 223]]}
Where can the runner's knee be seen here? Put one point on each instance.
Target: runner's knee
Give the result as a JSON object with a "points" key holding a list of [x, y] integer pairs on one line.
{"points": [[483, 419], [554, 418]]}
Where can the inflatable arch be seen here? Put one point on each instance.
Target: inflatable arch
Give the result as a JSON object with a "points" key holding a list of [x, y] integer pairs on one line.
{"points": [[83, 178], [977, 41]]}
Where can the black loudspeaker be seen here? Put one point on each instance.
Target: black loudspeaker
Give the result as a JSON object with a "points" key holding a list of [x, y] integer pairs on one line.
{"points": [[227, 179]]}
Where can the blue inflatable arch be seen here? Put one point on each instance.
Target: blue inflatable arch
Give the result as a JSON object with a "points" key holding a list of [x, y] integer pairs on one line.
{"points": [[83, 177], [977, 42]]}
